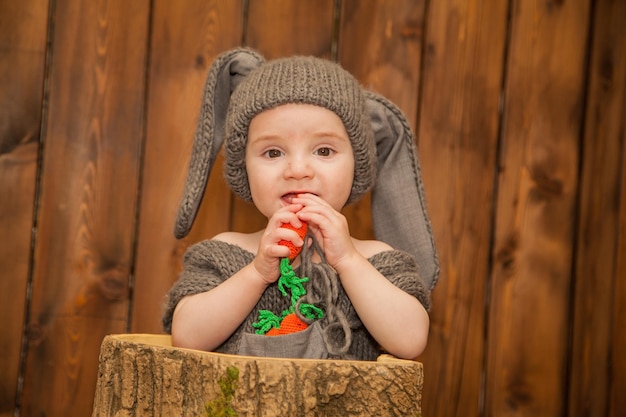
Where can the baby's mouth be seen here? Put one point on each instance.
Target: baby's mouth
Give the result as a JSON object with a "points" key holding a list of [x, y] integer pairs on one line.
{"points": [[288, 198]]}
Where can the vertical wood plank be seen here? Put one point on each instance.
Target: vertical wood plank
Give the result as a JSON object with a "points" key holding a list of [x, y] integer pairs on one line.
{"points": [[380, 43], [617, 400], [23, 28], [282, 28], [279, 28], [601, 201], [88, 200], [186, 37], [536, 206], [458, 138]]}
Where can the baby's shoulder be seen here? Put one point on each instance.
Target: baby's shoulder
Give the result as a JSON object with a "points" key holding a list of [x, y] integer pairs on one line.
{"points": [[247, 241], [369, 248]]}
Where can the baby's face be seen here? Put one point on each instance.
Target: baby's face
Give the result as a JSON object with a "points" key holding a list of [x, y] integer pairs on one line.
{"points": [[294, 149]]}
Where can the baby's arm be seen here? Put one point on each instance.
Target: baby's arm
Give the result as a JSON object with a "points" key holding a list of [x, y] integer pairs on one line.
{"points": [[204, 321], [395, 318]]}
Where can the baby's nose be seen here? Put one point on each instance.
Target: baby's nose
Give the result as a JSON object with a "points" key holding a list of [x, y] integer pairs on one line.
{"points": [[298, 168]]}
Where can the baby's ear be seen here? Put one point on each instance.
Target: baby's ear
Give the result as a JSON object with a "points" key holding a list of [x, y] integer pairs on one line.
{"points": [[224, 76], [399, 213]]}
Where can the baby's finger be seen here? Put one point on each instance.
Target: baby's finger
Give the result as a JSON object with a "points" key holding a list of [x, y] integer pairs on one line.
{"points": [[308, 199], [286, 214]]}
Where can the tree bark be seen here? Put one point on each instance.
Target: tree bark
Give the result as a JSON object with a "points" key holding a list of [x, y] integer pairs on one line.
{"points": [[144, 375]]}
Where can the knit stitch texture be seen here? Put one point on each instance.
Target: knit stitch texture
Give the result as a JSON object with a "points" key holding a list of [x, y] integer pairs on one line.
{"points": [[210, 262], [300, 80]]}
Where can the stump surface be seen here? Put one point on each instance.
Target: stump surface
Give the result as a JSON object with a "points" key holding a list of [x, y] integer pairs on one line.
{"points": [[144, 375]]}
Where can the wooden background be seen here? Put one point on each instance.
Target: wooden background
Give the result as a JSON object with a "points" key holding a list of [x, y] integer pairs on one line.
{"points": [[519, 110]]}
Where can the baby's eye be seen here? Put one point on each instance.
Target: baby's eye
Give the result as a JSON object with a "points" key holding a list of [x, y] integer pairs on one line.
{"points": [[273, 153], [324, 151]]}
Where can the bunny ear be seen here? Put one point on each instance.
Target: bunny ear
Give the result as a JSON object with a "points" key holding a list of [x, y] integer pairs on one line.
{"points": [[399, 212], [225, 74]]}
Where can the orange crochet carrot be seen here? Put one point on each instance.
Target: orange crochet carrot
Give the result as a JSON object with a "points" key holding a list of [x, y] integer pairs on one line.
{"points": [[293, 250], [290, 324], [269, 323]]}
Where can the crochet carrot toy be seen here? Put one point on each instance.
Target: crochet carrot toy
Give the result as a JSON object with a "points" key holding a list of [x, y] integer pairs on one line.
{"points": [[288, 322], [294, 251]]}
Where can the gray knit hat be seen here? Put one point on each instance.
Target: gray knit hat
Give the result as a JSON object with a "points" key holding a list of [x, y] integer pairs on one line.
{"points": [[241, 84], [302, 80]]}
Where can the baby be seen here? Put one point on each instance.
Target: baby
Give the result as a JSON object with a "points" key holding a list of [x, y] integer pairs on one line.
{"points": [[300, 144]]}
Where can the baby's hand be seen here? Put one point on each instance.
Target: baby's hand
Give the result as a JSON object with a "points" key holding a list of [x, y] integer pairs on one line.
{"points": [[328, 226], [273, 243]]}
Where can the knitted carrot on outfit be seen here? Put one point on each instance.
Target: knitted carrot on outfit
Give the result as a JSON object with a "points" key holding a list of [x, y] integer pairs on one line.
{"points": [[289, 322]]}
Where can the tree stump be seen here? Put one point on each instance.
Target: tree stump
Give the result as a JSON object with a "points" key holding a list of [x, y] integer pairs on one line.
{"points": [[143, 375]]}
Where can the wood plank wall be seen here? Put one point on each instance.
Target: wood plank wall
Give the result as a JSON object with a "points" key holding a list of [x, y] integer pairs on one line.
{"points": [[519, 110]]}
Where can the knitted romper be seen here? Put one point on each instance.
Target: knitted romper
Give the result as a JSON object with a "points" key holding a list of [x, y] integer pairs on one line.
{"points": [[338, 335]]}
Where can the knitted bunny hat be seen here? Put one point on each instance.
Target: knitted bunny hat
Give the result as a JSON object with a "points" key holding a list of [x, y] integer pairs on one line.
{"points": [[241, 84], [303, 80]]}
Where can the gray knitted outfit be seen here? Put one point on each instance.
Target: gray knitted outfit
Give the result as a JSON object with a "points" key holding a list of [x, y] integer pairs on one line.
{"points": [[210, 262]]}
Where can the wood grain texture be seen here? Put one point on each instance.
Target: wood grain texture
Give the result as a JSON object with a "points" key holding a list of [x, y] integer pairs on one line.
{"points": [[23, 28], [186, 37], [380, 43], [282, 28], [602, 200], [278, 28], [536, 206], [617, 400], [88, 201], [143, 375], [458, 138], [528, 315]]}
